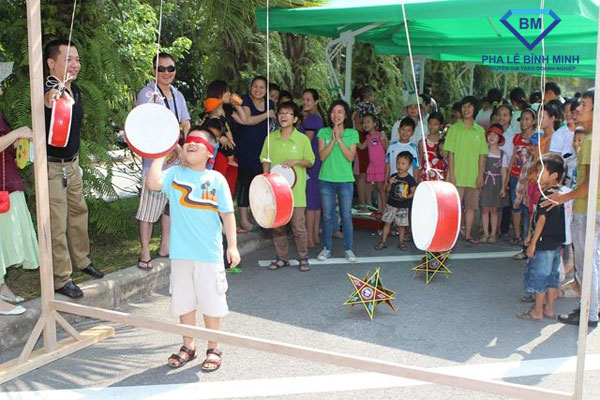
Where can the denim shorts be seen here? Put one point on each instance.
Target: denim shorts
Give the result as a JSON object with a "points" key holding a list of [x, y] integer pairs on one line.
{"points": [[543, 271]]}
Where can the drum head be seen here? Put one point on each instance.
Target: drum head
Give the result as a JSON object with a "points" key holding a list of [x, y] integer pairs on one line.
{"points": [[271, 200], [151, 130], [424, 215], [287, 172]]}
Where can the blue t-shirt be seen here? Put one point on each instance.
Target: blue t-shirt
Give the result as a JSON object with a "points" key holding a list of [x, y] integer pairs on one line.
{"points": [[195, 200]]}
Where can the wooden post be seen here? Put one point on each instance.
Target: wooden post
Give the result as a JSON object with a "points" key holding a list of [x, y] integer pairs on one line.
{"points": [[36, 79], [590, 235]]}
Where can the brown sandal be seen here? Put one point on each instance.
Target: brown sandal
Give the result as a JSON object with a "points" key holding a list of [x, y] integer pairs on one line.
{"points": [[381, 246], [303, 264], [216, 364], [180, 361]]}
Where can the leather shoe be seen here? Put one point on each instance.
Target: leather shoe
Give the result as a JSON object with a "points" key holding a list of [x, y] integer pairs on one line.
{"points": [[71, 290], [573, 319], [93, 272]]}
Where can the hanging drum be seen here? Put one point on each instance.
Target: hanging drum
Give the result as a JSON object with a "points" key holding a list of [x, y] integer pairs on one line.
{"points": [[151, 130], [60, 121], [289, 173], [435, 216], [271, 200]]}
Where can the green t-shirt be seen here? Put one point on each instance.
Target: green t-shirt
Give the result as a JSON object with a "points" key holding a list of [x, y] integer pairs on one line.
{"points": [[467, 144], [296, 147], [584, 158], [336, 167]]}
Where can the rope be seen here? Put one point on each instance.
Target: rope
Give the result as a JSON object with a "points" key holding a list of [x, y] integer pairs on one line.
{"points": [[65, 78], [428, 168], [156, 93], [268, 159], [540, 114]]}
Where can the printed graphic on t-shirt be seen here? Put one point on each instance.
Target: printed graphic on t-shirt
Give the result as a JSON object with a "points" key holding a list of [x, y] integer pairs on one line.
{"points": [[206, 200]]}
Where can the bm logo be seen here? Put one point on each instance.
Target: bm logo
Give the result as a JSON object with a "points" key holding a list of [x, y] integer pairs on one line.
{"points": [[530, 21]]}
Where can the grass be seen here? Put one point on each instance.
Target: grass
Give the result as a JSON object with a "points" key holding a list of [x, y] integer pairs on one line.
{"points": [[109, 253]]}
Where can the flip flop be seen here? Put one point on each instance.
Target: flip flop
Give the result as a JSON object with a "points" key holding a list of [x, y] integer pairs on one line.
{"points": [[158, 255], [472, 241], [145, 265], [527, 316], [528, 298]]}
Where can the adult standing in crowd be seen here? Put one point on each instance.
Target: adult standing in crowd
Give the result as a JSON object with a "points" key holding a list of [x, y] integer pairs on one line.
{"points": [[250, 137], [290, 149], [311, 125], [154, 205], [584, 118], [337, 148], [467, 150], [68, 211], [412, 111], [18, 243]]}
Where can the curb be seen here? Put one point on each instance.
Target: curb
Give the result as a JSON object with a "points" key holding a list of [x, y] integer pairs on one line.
{"points": [[110, 292]]}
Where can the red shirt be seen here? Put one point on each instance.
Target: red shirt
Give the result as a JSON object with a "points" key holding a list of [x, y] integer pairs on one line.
{"points": [[12, 176]]}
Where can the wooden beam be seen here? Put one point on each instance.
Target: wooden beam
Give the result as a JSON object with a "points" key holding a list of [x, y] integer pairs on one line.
{"points": [[312, 354], [36, 79], [39, 358]]}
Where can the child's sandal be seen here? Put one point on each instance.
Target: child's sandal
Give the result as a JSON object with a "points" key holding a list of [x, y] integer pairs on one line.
{"points": [[303, 264], [380, 246], [216, 363], [177, 361]]}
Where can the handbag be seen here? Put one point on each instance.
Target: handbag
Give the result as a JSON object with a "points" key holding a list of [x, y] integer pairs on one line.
{"points": [[4, 199]]}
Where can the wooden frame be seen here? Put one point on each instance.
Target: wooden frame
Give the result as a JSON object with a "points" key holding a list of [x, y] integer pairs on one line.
{"points": [[52, 350]]}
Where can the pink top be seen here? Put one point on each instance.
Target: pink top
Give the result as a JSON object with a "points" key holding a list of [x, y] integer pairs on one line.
{"points": [[376, 150]]}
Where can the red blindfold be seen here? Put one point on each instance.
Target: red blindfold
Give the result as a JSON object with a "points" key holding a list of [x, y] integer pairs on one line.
{"points": [[209, 147]]}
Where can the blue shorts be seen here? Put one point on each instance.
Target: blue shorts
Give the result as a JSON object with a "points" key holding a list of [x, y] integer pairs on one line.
{"points": [[543, 271]]}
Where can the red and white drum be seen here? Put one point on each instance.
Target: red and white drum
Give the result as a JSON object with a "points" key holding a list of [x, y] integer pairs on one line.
{"points": [[271, 200], [60, 122], [289, 173], [151, 130], [435, 217]]}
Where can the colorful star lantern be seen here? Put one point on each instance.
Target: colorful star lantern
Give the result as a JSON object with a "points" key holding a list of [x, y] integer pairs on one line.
{"points": [[434, 263], [370, 292]]}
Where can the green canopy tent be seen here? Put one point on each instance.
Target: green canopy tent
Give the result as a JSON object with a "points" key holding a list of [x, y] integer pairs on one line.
{"points": [[445, 30], [465, 30]]}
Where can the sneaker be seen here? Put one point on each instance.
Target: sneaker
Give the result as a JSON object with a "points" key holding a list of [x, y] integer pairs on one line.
{"points": [[324, 255], [350, 256]]}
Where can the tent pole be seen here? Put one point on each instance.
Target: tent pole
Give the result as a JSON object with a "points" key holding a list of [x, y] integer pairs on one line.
{"points": [[36, 79], [348, 72], [590, 235]]}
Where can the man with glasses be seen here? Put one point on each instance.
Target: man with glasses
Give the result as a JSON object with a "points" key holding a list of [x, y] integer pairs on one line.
{"points": [[153, 205], [290, 149], [68, 210]]}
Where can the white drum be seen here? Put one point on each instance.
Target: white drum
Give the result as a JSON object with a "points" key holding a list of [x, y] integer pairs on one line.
{"points": [[288, 173], [151, 130], [435, 216]]}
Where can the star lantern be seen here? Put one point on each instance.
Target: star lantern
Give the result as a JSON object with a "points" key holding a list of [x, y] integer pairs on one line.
{"points": [[432, 264], [370, 293]]}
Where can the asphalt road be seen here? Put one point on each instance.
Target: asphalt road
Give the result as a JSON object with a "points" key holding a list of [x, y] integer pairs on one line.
{"points": [[465, 324]]}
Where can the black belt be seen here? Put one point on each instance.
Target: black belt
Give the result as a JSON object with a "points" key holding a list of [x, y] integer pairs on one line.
{"points": [[62, 160]]}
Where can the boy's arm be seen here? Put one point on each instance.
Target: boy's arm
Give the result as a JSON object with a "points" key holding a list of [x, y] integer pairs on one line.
{"points": [[451, 177], [233, 255], [154, 177], [479, 181], [539, 227], [412, 192]]}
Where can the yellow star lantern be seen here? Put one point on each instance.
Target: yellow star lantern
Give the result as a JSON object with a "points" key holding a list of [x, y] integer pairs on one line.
{"points": [[370, 293], [433, 263]]}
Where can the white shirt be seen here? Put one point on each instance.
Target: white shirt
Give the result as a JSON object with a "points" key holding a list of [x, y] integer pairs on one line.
{"points": [[562, 141], [483, 118], [416, 137], [508, 147], [396, 148]]}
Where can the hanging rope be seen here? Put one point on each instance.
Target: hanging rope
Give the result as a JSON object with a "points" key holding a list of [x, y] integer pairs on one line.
{"points": [[65, 77], [156, 94], [428, 168], [540, 112], [268, 159]]}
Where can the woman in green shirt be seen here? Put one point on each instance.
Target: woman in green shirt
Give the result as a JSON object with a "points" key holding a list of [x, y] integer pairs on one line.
{"points": [[337, 148]]}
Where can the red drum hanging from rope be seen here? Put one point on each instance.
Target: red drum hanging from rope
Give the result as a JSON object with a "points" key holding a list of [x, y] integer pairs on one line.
{"points": [[271, 200], [151, 130], [435, 217], [60, 122], [289, 173]]}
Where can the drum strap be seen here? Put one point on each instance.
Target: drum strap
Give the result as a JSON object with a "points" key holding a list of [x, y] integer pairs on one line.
{"points": [[167, 101]]}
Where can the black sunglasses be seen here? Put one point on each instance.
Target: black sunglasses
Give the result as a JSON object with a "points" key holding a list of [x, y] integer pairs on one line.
{"points": [[170, 68]]}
